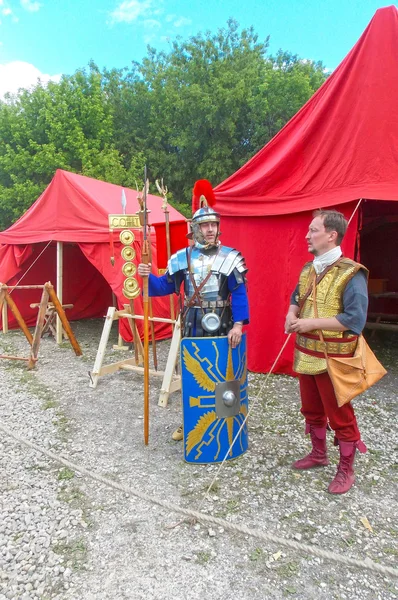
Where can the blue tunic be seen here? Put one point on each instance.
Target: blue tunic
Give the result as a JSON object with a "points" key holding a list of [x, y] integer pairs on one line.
{"points": [[166, 284]]}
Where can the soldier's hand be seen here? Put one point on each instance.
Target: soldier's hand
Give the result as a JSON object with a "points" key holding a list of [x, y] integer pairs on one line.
{"points": [[235, 335], [144, 270]]}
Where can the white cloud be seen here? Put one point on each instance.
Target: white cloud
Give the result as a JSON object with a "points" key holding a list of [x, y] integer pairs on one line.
{"points": [[30, 5], [18, 74], [6, 11], [129, 11], [181, 22], [152, 24]]}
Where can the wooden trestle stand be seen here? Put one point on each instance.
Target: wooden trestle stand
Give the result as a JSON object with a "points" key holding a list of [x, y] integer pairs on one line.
{"points": [[48, 294], [170, 382]]}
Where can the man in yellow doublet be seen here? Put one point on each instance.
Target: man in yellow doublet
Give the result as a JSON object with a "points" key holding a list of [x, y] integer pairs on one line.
{"points": [[341, 308]]}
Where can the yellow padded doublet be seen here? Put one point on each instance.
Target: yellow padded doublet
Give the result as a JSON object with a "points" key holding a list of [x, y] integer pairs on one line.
{"points": [[329, 293]]}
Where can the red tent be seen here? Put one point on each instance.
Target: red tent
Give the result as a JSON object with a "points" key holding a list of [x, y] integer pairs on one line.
{"points": [[74, 209], [340, 147]]}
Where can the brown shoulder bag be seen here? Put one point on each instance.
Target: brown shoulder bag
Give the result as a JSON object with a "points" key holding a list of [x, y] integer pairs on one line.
{"points": [[352, 375]]}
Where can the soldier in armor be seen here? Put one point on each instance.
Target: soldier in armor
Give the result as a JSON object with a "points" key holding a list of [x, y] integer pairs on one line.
{"points": [[214, 301], [342, 301]]}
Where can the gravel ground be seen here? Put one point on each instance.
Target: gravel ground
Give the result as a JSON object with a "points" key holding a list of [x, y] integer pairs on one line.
{"points": [[65, 536]]}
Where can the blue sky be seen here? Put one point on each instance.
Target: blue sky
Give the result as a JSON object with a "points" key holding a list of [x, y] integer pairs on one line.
{"points": [[49, 37]]}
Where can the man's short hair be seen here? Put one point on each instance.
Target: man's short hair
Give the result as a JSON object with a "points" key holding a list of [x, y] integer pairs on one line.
{"points": [[333, 221]]}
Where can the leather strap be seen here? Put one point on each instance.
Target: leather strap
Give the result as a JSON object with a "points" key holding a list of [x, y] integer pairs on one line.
{"points": [[195, 298], [316, 316], [315, 280]]}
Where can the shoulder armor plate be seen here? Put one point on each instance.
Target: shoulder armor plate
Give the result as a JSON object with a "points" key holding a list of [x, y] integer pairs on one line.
{"points": [[178, 261], [227, 260]]}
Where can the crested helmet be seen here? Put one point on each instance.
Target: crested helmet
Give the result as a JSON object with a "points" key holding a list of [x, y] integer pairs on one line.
{"points": [[202, 200]]}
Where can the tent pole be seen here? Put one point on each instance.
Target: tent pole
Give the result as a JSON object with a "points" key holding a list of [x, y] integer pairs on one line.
{"points": [[60, 276], [4, 317]]}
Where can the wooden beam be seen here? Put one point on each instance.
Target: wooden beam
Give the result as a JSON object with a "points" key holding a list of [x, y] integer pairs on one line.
{"points": [[39, 328], [19, 318], [381, 326], [128, 315], [383, 316], [14, 357], [64, 320]]}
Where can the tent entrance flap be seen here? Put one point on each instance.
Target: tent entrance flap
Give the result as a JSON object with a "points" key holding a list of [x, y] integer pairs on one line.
{"points": [[378, 251]]}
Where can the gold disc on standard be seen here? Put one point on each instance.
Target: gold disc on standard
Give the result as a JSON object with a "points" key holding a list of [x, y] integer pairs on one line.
{"points": [[126, 237], [129, 269], [131, 289], [128, 253]]}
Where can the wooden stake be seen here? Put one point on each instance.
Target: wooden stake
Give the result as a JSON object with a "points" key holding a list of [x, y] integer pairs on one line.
{"points": [[19, 318], [63, 318], [34, 353]]}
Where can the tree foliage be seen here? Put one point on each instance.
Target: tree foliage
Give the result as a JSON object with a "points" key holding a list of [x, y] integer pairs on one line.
{"points": [[200, 110]]}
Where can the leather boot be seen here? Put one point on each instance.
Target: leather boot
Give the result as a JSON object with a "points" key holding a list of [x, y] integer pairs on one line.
{"points": [[345, 476], [318, 455]]}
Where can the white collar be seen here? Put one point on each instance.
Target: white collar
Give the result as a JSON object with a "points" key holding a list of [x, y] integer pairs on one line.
{"points": [[324, 260]]}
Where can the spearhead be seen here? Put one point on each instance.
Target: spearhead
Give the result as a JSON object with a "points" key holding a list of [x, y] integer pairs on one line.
{"points": [[123, 201]]}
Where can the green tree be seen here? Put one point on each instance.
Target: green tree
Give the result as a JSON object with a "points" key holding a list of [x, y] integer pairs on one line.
{"points": [[206, 106], [65, 125], [200, 110]]}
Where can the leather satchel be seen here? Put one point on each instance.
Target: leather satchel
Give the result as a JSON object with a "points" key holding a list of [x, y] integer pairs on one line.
{"points": [[351, 375]]}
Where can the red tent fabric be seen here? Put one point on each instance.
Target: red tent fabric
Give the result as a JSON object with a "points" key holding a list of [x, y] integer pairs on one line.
{"points": [[340, 147], [74, 209]]}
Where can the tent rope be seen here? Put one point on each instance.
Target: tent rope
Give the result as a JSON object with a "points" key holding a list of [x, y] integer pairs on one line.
{"points": [[355, 210], [27, 270], [366, 564]]}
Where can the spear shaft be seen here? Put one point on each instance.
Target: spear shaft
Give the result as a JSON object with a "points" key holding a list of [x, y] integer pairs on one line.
{"points": [[151, 323], [145, 261]]}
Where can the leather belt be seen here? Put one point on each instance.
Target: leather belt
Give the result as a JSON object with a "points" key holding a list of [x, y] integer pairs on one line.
{"points": [[209, 304]]}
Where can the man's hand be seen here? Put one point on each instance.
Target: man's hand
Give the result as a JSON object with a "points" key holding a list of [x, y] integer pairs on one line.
{"points": [[303, 325], [291, 318], [144, 270], [235, 335]]}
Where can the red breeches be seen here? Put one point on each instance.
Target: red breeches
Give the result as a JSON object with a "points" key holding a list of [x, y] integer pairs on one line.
{"points": [[319, 405]]}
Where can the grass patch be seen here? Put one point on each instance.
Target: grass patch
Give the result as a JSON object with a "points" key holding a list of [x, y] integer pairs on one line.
{"points": [[256, 555], [390, 551], [203, 557], [65, 473], [74, 553], [290, 569], [49, 403]]}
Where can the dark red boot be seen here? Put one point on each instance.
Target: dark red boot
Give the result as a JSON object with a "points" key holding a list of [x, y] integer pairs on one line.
{"points": [[345, 476], [318, 456]]}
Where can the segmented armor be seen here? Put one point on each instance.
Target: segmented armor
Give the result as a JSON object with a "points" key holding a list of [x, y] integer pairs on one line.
{"points": [[209, 269]]}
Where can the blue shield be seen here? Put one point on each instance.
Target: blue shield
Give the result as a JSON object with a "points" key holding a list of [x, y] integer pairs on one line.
{"points": [[214, 399]]}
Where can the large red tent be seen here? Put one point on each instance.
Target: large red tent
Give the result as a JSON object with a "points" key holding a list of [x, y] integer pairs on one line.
{"points": [[74, 210], [342, 146]]}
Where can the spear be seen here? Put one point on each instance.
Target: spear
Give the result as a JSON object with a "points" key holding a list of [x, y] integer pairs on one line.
{"points": [[165, 207], [145, 261], [152, 326]]}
